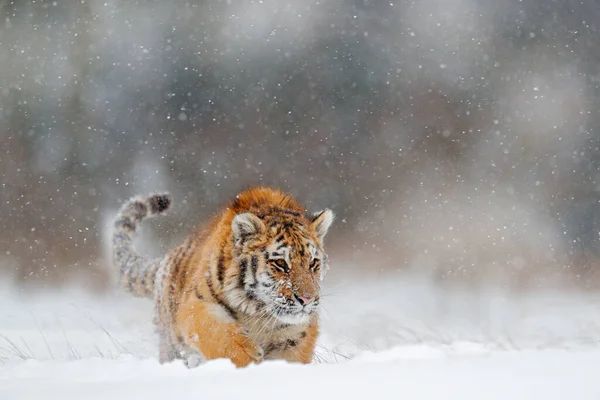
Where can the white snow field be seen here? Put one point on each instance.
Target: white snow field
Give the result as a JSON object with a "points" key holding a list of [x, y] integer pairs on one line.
{"points": [[399, 338]]}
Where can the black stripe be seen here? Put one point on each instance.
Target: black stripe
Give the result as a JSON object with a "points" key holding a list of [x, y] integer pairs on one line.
{"points": [[254, 264], [140, 209], [291, 212], [220, 302], [187, 254], [269, 348], [125, 222], [176, 264], [252, 296], [198, 294], [221, 268], [243, 270], [211, 288], [280, 238]]}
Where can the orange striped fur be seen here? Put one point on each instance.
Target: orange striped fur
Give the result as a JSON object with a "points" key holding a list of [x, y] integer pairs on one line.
{"points": [[245, 287]]}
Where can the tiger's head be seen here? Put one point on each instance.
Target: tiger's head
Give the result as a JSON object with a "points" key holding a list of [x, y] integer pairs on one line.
{"points": [[282, 260]]}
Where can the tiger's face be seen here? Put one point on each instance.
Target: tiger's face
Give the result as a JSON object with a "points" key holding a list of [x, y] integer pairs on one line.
{"points": [[282, 261]]}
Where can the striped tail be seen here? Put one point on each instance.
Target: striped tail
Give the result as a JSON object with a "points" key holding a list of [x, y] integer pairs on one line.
{"points": [[136, 273]]}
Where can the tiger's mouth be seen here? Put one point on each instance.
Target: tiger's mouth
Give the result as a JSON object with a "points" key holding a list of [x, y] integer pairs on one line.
{"points": [[292, 317], [293, 314]]}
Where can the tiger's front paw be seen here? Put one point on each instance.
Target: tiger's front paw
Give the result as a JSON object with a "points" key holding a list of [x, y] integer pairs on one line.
{"points": [[245, 350]]}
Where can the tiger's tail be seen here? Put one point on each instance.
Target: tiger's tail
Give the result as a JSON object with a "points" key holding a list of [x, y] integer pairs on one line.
{"points": [[137, 274]]}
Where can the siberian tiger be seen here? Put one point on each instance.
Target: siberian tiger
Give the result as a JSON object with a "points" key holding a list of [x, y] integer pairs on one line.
{"points": [[244, 287]]}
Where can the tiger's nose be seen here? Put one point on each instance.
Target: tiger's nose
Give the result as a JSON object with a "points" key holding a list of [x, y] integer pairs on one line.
{"points": [[304, 300]]}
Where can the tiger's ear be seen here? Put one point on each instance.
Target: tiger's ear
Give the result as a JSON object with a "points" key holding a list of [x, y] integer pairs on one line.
{"points": [[321, 222], [246, 224]]}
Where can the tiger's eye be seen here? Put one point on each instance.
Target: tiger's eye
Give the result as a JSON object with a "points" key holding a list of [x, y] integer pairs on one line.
{"points": [[281, 265]]}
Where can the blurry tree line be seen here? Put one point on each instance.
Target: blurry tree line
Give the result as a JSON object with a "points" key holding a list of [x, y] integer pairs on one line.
{"points": [[457, 137]]}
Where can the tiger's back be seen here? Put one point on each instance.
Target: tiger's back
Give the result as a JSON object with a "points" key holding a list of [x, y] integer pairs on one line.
{"points": [[246, 287]]}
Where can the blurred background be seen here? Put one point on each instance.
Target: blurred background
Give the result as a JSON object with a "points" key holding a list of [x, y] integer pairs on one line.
{"points": [[456, 138]]}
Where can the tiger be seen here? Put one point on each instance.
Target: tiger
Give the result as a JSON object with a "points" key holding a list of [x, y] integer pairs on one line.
{"points": [[244, 286]]}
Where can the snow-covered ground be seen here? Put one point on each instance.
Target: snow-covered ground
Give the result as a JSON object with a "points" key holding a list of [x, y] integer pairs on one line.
{"points": [[398, 338]]}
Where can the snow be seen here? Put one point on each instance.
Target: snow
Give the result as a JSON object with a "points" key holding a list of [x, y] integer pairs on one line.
{"points": [[547, 374], [401, 337]]}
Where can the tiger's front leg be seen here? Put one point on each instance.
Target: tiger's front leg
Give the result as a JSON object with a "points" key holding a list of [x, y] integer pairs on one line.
{"points": [[207, 327], [302, 349]]}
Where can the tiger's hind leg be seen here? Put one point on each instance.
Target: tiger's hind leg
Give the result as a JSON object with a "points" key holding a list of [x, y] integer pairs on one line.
{"points": [[170, 350], [167, 351]]}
